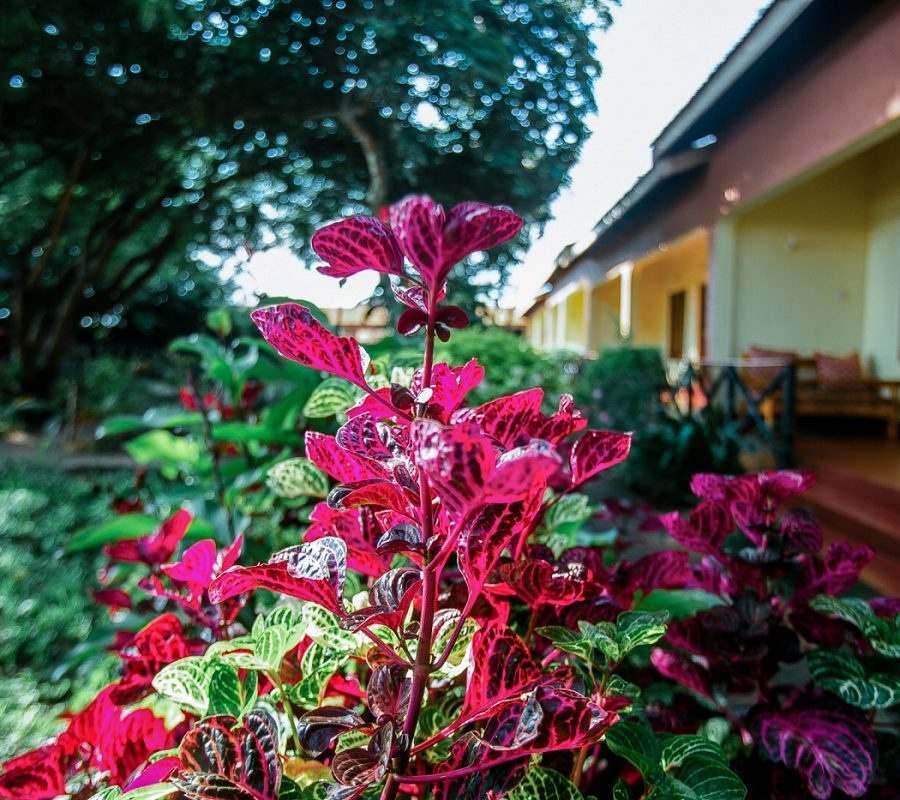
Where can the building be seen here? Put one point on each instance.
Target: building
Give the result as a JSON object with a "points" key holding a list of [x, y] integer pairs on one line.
{"points": [[771, 215]]}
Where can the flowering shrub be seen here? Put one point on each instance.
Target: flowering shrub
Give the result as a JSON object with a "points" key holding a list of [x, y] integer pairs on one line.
{"points": [[441, 630]]}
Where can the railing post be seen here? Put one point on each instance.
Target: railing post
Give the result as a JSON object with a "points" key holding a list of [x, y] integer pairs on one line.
{"points": [[789, 391], [730, 376]]}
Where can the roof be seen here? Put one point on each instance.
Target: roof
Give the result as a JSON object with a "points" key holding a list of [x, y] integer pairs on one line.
{"points": [[672, 151]]}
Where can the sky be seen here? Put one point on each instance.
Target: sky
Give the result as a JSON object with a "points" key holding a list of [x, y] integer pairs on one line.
{"points": [[654, 57]]}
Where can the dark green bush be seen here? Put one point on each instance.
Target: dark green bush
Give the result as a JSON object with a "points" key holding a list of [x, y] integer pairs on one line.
{"points": [[44, 606]]}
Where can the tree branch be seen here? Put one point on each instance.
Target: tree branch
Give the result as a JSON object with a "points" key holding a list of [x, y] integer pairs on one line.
{"points": [[376, 163], [59, 217]]}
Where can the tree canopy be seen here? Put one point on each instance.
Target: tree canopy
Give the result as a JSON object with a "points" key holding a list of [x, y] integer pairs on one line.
{"points": [[142, 133]]}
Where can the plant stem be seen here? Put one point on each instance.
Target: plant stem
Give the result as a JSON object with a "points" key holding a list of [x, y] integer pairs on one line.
{"points": [[462, 772], [385, 648], [423, 666], [214, 455], [286, 702], [578, 768]]}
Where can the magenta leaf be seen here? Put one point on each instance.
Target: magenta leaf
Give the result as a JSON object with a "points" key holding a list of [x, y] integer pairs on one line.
{"points": [[388, 693], [402, 538], [705, 530], [363, 766], [801, 532], [157, 644], [319, 728], [462, 462], [831, 749], [566, 421], [453, 317], [487, 778], [434, 241], [36, 775], [552, 718], [155, 549], [293, 331], [344, 465], [357, 528], [458, 461], [495, 528], [313, 571], [377, 493], [506, 418], [390, 597], [681, 669], [222, 759], [411, 322], [596, 451], [539, 582], [664, 570], [368, 437], [355, 244], [501, 668], [211, 747], [522, 471], [449, 387], [157, 772], [835, 573], [413, 296]]}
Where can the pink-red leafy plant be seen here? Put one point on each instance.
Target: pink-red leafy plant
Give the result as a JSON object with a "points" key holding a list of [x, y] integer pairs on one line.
{"points": [[441, 629]]}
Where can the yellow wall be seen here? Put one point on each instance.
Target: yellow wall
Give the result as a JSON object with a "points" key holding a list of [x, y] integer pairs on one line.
{"points": [[575, 331], [605, 316], [800, 262], [881, 323], [682, 266]]}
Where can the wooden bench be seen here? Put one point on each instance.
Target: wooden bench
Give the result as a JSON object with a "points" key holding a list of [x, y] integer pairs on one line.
{"points": [[861, 397]]}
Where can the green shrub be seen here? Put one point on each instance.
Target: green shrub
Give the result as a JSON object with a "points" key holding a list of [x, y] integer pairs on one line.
{"points": [[44, 604]]}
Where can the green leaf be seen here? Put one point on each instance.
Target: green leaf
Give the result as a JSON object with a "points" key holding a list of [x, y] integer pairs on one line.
{"points": [[289, 790], [847, 677], [568, 641], [568, 514], [636, 628], [186, 682], [678, 749], [635, 742], [129, 526], [331, 397], [155, 791], [225, 696], [265, 647], [124, 526], [603, 637], [297, 477], [621, 791], [198, 344], [247, 433], [883, 634], [318, 665], [154, 418], [680, 603], [219, 322], [166, 448], [707, 778], [545, 784], [109, 793]]}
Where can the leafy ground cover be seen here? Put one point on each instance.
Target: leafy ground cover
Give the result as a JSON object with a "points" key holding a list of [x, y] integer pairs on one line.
{"points": [[44, 602]]}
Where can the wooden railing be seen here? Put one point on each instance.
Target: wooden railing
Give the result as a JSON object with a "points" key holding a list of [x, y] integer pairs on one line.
{"points": [[764, 407]]}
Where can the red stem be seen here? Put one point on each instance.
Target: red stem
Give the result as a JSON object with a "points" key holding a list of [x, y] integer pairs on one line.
{"points": [[461, 772], [423, 666]]}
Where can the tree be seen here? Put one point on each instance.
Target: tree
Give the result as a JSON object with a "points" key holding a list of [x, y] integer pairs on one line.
{"points": [[143, 133]]}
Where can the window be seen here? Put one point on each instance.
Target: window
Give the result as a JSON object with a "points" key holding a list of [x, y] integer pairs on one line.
{"points": [[677, 303]]}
